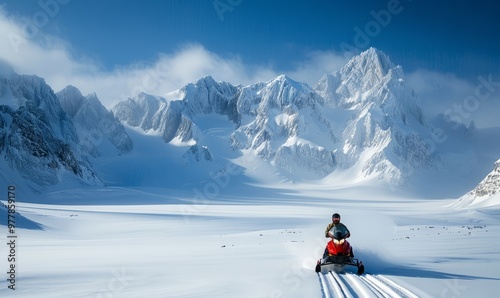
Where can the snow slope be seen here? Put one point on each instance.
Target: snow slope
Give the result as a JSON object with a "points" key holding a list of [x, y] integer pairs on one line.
{"points": [[227, 235], [486, 193], [248, 246]]}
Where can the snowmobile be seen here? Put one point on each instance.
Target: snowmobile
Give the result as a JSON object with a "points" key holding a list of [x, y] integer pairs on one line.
{"points": [[338, 253]]}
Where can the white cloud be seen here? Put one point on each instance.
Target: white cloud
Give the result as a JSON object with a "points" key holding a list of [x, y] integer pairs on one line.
{"points": [[464, 101], [318, 64], [51, 58], [438, 91]]}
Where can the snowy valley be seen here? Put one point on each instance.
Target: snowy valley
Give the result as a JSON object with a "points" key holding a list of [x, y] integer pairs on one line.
{"points": [[221, 190]]}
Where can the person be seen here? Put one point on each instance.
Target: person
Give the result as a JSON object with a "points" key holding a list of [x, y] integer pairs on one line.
{"points": [[336, 226]]}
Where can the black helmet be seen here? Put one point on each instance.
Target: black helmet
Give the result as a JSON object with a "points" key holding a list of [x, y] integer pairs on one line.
{"points": [[336, 215], [336, 218]]}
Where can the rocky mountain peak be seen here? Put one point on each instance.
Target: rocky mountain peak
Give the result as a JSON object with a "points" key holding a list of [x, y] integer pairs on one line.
{"points": [[486, 193], [371, 61], [39, 140], [364, 75], [490, 184], [71, 100], [284, 92], [94, 124]]}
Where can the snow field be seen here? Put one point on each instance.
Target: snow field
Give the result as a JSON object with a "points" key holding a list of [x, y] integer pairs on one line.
{"points": [[252, 249]]}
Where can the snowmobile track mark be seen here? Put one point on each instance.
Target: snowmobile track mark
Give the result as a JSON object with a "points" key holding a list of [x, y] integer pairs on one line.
{"points": [[324, 287], [341, 285], [360, 288], [400, 290], [381, 288], [368, 285]]}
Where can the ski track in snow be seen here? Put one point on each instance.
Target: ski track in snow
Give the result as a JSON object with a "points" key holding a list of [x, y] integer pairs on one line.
{"points": [[350, 285]]}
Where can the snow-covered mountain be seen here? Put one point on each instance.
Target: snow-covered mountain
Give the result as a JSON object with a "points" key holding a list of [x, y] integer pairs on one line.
{"points": [[486, 193], [281, 121], [387, 133], [173, 118], [363, 121], [285, 124], [37, 138], [95, 125], [301, 130]]}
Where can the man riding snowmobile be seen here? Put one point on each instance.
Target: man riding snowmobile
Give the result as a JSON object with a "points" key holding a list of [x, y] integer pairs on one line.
{"points": [[336, 228], [338, 252]]}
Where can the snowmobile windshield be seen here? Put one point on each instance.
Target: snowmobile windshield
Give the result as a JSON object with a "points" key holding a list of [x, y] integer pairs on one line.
{"points": [[339, 232]]}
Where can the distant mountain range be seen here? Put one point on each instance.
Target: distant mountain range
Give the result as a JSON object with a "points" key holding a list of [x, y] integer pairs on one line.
{"points": [[363, 118]]}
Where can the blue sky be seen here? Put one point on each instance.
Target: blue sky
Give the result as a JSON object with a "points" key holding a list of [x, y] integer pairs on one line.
{"points": [[240, 41], [455, 36]]}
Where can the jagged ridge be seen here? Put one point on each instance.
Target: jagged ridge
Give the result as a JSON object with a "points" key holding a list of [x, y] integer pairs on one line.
{"points": [[38, 139], [94, 123], [284, 122]]}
